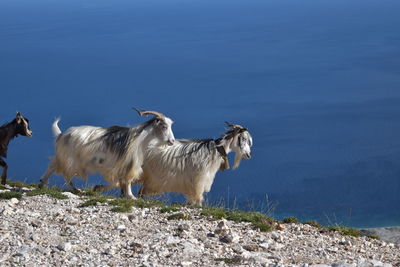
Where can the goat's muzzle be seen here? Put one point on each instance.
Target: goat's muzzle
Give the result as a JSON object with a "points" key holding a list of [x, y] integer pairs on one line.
{"points": [[171, 142], [247, 155]]}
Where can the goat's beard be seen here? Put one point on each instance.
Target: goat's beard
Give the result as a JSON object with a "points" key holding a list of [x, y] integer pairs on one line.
{"points": [[238, 158]]}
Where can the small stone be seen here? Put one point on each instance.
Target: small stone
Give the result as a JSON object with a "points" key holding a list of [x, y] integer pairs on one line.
{"points": [[121, 227], [70, 195], [109, 251], [136, 247], [230, 238], [184, 227], [275, 236], [132, 218], [251, 247], [172, 241], [14, 201], [65, 246], [186, 263], [280, 226]]}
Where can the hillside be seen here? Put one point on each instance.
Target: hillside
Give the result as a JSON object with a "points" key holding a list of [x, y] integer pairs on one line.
{"points": [[50, 228]]}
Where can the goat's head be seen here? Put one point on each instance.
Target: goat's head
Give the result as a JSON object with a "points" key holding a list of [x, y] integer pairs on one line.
{"points": [[162, 126], [240, 142], [22, 125]]}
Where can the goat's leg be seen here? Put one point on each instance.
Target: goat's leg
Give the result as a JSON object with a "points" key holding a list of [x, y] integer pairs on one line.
{"points": [[46, 175], [123, 189], [128, 191], [4, 173], [71, 185]]}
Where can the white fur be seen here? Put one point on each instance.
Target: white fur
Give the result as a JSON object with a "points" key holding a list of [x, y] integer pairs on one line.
{"points": [[189, 166], [81, 151]]}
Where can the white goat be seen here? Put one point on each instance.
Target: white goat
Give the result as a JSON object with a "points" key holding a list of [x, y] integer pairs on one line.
{"points": [[189, 166], [116, 153]]}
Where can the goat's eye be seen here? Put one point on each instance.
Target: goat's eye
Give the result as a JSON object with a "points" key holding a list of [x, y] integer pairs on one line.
{"points": [[164, 127]]}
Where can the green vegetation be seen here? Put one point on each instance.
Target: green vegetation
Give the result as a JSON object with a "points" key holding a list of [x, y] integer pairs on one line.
{"points": [[122, 204], [290, 219], [345, 230], [313, 223], [179, 216], [10, 195], [168, 209], [93, 201], [258, 220], [49, 191], [20, 184], [373, 236]]}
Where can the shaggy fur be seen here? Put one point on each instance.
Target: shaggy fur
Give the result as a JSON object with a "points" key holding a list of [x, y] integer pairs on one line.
{"points": [[189, 166], [115, 152]]}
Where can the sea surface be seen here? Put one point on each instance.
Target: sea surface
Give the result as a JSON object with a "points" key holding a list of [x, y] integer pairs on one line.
{"points": [[317, 83]]}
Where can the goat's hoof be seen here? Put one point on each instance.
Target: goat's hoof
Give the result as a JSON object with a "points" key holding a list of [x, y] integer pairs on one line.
{"points": [[97, 188], [76, 191], [130, 197]]}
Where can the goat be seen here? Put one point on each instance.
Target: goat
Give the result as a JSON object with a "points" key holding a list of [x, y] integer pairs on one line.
{"points": [[8, 131], [189, 166], [116, 152]]}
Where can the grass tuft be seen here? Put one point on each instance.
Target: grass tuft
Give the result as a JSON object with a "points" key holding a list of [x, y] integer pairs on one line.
{"points": [[214, 212], [20, 184], [345, 230], [2, 187], [122, 204], [141, 203], [257, 219], [10, 195], [179, 216], [49, 191], [93, 201], [373, 236], [290, 219], [168, 209], [313, 223]]}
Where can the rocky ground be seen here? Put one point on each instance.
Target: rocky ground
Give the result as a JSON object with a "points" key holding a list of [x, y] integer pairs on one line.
{"points": [[45, 231]]}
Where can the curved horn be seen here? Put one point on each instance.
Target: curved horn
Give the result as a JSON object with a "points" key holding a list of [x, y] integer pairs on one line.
{"points": [[149, 112], [235, 126]]}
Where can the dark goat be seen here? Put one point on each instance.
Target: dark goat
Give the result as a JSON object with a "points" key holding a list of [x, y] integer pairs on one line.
{"points": [[8, 131]]}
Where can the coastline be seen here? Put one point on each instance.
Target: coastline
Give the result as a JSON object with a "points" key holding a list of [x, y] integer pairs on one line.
{"points": [[387, 234]]}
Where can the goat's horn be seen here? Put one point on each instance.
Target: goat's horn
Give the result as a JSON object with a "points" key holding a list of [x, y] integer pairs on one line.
{"points": [[235, 126], [149, 112]]}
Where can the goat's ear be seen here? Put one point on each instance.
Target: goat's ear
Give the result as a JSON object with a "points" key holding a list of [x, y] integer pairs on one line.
{"points": [[18, 117]]}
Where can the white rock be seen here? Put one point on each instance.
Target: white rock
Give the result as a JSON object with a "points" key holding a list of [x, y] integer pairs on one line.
{"points": [[14, 201], [121, 227], [70, 195], [172, 240]]}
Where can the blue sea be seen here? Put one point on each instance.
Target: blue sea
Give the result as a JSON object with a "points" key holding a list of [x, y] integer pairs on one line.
{"points": [[317, 83]]}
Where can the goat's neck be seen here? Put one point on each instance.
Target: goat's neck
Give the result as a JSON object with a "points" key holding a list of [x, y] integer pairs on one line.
{"points": [[8, 132], [226, 144], [146, 139]]}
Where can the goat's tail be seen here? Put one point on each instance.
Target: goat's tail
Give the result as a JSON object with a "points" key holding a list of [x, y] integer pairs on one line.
{"points": [[55, 128]]}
